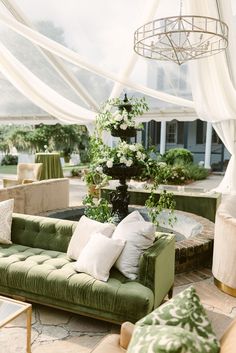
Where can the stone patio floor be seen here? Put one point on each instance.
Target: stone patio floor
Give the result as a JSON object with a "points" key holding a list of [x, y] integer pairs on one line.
{"points": [[56, 331]]}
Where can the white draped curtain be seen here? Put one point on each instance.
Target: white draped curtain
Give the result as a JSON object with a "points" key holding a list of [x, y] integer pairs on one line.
{"points": [[59, 50], [214, 94], [213, 91]]}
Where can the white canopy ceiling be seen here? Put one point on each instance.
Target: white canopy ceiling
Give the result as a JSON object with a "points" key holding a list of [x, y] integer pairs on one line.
{"points": [[91, 58]]}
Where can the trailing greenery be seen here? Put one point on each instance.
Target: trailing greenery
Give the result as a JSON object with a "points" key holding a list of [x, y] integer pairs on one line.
{"points": [[155, 207], [9, 159], [99, 211], [95, 176], [177, 156]]}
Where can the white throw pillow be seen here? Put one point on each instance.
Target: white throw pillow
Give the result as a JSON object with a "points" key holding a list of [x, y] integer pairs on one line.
{"points": [[85, 228], [99, 255], [6, 209], [139, 236]]}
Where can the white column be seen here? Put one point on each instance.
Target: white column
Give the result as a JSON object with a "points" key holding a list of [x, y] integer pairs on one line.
{"points": [[163, 137], [207, 163]]}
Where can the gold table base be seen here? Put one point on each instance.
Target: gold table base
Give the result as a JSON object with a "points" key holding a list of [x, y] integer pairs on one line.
{"points": [[224, 288]]}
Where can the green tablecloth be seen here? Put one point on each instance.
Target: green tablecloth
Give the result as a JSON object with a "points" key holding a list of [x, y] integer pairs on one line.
{"points": [[51, 165]]}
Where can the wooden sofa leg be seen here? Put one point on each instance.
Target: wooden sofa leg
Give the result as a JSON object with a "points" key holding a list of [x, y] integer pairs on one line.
{"points": [[170, 293]]}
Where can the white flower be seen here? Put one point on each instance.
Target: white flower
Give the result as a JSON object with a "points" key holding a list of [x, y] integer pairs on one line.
{"points": [[123, 160], [109, 163], [45, 146], [125, 115], [132, 148], [139, 155], [99, 169], [118, 117], [129, 163], [143, 156], [161, 164], [123, 126]]}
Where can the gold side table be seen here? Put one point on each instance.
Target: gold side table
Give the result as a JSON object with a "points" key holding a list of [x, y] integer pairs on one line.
{"points": [[11, 309]]}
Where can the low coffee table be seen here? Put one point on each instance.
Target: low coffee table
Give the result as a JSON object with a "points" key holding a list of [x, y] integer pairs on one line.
{"points": [[10, 309]]}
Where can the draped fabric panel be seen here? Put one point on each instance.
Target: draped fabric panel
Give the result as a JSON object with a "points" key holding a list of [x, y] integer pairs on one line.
{"points": [[40, 93], [77, 60], [127, 70], [227, 132], [214, 94]]}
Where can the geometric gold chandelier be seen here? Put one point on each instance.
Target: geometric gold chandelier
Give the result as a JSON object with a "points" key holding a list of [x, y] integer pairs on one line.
{"points": [[181, 38]]}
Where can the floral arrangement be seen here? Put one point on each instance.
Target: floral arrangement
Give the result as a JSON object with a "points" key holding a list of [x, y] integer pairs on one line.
{"points": [[123, 117], [123, 153]]}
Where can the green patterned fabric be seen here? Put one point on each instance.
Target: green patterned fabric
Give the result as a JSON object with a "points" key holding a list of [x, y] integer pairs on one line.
{"points": [[179, 326]]}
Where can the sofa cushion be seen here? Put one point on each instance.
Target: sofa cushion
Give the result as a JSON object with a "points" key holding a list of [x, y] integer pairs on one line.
{"points": [[99, 255], [183, 313], [139, 236], [42, 232], [51, 274], [85, 228], [6, 209]]}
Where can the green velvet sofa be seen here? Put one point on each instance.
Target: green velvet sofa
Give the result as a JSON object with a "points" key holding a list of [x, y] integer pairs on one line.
{"points": [[35, 267]]}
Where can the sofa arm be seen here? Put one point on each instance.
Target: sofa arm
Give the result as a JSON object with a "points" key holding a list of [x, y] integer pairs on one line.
{"points": [[157, 267], [228, 340], [28, 181], [10, 182], [126, 332]]}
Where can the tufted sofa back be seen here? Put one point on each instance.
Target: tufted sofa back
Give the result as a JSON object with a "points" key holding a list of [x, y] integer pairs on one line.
{"points": [[156, 268], [42, 232]]}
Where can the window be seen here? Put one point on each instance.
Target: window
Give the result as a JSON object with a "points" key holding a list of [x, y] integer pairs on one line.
{"points": [[154, 130], [201, 132], [171, 132]]}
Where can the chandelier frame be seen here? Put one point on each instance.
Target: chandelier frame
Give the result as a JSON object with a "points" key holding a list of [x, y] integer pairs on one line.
{"points": [[181, 38]]}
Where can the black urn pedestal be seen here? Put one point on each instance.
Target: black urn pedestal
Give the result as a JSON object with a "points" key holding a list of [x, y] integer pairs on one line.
{"points": [[120, 197]]}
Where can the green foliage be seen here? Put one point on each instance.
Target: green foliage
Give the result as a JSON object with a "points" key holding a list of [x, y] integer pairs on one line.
{"points": [[168, 174], [4, 147], [177, 156], [9, 159], [76, 172], [196, 172], [155, 207], [65, 138], [96, 149], [95, 176], [100, 211], [84, 156]]}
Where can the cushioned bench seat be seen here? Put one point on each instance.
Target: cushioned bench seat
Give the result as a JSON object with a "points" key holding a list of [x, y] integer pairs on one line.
{"points": [[51, 274]]}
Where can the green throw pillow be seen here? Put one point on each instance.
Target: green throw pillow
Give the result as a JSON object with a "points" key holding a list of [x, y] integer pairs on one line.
{"points": [[168, 339], [181, 322]]}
